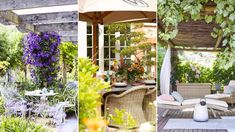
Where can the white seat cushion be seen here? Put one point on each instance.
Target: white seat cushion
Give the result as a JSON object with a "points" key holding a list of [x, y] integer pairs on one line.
{"points": [[168, 102], [217, 102], [217, 96], [191, 101]]}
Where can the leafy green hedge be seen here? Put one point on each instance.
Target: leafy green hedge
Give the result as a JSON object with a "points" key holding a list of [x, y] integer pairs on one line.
{"points": [[16, 124]]}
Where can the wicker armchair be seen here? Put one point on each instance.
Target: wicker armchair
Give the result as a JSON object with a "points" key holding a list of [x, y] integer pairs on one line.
{"points": [[231, 99], [130, 100], [150, 110]]}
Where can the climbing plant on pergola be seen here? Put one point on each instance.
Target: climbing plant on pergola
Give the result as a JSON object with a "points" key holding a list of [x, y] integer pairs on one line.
{"points": [[221, 13]]}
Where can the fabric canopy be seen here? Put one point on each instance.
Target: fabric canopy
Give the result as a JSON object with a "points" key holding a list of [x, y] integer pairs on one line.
{"points": [[165, 74], [112, 11], [115, 11]]}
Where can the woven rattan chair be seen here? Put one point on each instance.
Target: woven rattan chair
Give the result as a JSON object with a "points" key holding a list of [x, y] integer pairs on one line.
{"points": [[231, 99], [148, 107], [193, 90], [131, 101]]}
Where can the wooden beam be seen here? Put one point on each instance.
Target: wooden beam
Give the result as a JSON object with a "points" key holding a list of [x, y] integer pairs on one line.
{"points": [[5, 22], [198, 50], [57, 27], [69, 38], [13, 18], [47, 18], [23, 4], [68, 33]]}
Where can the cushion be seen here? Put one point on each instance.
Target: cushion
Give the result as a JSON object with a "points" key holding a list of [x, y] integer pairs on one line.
{"points": [[229, 89], [217, 102], [168, 102], [166, 97], [232, 83], [177, 97], [191, 101]]}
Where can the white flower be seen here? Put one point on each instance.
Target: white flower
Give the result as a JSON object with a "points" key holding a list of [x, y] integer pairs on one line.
{"points": [[197, 76]]}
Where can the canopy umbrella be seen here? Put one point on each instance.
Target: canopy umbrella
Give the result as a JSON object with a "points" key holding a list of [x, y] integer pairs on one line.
{"points": [[165, 74], [115, 11]]}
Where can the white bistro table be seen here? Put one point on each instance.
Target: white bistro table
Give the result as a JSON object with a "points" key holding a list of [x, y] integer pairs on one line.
{"points": [[43, 96]]}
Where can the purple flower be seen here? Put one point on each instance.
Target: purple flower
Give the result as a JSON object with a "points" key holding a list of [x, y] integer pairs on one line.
{"points": [[42, 52]]}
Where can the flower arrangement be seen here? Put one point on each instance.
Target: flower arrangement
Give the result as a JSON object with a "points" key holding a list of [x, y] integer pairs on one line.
{"points": [[42, 52], [128, 72], [135, 72]]}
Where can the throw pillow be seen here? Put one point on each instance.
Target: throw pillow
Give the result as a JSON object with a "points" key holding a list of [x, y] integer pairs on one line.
{"points": [[177, 96]]}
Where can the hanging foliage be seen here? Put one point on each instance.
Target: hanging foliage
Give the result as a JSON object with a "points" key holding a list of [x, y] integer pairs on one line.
{"points": [[172, 12]]}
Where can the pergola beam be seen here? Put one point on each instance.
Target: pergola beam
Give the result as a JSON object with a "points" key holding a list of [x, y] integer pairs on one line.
{"points": [[47, 18], [13, 18], [68, 33], [57, 27], [69, 38], [23, 4], [198, 50]]}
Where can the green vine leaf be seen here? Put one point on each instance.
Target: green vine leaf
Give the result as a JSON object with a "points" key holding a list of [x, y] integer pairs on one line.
{"points": [[208, 19]]}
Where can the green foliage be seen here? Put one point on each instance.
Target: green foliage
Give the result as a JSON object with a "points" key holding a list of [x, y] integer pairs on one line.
{"points": [[68, 53], [136, 42], [172, 12], [192, 73], [123, 118], [89, 90], [3, 67], [10, 46], [15, 124], [2, 108]]}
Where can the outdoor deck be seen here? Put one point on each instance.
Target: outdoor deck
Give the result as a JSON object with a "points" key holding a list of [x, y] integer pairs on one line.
{"points": [[185, 114]]}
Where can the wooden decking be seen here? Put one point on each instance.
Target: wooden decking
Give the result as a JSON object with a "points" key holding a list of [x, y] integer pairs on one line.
{"points": [[185, 114]]}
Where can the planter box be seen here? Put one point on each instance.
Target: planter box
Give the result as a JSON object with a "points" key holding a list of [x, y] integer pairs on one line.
{"points": [[193, 90]]}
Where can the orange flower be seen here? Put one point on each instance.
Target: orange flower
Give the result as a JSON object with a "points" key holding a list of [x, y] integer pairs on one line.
{"points": [[95, 125]]}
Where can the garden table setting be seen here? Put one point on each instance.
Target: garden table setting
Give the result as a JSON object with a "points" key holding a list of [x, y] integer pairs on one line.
{"points": [[43, 94]]}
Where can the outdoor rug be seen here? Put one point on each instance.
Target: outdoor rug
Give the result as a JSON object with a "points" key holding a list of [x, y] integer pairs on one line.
{"points": [[226, 123]]}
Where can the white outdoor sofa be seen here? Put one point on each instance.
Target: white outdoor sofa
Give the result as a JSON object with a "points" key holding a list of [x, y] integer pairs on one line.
{"points": [[190, 103]]}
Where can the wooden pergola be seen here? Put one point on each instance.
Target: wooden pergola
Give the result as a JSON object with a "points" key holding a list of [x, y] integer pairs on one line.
{"points": [[196, 35], [64, 23]]}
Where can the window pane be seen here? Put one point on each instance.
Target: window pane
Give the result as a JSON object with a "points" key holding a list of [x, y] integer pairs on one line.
{"points": [[89, 52], [105, 29], [106, 65], [106, 53], [89, 40], [112, 53], [89, 29], [112, 40], [106, 40]]}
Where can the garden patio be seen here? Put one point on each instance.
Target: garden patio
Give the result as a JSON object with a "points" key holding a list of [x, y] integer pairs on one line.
{"points": [[123, 86], [198, 64], [38, 65]]}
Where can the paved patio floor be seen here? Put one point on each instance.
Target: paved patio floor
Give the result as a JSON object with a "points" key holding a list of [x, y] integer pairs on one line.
{"points": [[186, 114]]}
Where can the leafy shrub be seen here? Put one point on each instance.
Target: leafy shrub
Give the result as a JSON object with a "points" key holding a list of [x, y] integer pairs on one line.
{"points": [[16, 124], [2, 108], [68, 55], [89, 88], [123, 118]]}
